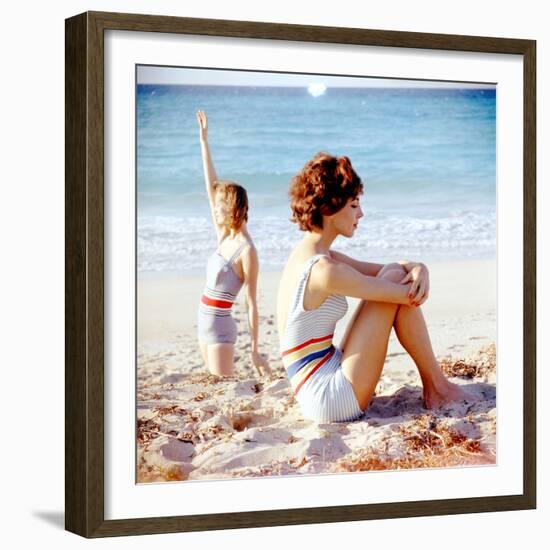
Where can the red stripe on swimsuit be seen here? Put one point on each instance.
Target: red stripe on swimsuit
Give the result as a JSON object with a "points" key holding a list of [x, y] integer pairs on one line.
{"points": [[306, 343], [216, 303]]}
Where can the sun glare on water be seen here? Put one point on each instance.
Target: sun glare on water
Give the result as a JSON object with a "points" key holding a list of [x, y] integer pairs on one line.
{"points": [[316, 89]]}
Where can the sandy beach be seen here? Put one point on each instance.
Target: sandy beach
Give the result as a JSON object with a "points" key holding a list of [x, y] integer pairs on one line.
{"points": [[193, 425]]}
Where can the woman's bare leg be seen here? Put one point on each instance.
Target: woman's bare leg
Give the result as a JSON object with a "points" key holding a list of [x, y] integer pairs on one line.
{"points": [[398, 271], [220, 359], [412, 333], [204, 352], [365, 344]]}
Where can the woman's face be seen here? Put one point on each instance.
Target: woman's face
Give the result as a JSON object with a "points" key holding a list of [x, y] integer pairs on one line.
{"points": [[345, 221]]}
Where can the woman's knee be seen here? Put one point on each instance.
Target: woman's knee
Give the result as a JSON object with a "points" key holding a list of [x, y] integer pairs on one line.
{"points": [[391, 273], [394, 266]]}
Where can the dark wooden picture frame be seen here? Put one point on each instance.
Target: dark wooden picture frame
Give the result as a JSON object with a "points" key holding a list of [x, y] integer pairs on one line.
{"points": [[84, 272]]}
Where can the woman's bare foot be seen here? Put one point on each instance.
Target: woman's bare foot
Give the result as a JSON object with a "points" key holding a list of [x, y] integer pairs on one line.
{"points": [[445, 394]]}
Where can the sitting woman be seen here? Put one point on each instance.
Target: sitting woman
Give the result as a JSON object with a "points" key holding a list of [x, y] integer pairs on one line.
{"points": [[332, 384], [232, 265]]}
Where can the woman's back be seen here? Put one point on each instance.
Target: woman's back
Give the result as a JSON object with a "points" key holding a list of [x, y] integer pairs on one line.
{"points": [[306, 334], [311, 362], [288, 285]]}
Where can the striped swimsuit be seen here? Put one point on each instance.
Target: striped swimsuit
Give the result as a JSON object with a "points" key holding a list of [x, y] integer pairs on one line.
{"points": [[215, 323], [312, 363]]}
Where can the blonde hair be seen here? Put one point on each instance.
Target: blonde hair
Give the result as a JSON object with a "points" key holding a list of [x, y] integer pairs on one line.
{"points": [[236, 198]]}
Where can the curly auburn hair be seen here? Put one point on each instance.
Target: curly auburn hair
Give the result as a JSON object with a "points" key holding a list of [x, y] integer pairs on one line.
{"points": [[236, 198], [322, 188]]}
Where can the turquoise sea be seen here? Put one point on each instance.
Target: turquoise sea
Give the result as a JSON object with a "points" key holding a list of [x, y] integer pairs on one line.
{"points": [[427, 158]]}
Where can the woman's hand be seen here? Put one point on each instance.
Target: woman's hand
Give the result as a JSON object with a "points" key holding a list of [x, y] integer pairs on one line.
{"points": [[420, 287], [203, 125], [260, 362]]}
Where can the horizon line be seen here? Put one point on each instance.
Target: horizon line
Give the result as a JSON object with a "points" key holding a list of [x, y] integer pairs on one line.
{"points": [[468, 85]]}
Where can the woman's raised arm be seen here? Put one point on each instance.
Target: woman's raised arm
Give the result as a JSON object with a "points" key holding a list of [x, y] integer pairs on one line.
{"points": [[210, 176]]}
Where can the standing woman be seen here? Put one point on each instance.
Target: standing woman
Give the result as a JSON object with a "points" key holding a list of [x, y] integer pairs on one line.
{"points": [[232, 265], [332, 384]]}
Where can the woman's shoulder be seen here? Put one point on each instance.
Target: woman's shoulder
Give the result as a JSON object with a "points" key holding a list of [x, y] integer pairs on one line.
{"points": [[323, 268], [239, 242], [248, 253], [248, 247], [244, 241], [301, 263], [326, 259]]}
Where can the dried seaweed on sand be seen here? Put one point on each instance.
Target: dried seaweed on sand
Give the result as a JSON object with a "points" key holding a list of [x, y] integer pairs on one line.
{"points": [[477, 366], [427, 442]]}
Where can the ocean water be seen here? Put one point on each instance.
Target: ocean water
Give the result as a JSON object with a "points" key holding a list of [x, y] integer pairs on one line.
{"points": [[427, 158]]}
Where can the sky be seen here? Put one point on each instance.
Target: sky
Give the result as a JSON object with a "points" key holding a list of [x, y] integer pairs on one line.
{"points": [[213, 77]]}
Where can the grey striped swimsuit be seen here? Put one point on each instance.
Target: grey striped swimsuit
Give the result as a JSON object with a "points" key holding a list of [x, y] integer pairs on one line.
{"points": [[215, 323], [312, 363]]}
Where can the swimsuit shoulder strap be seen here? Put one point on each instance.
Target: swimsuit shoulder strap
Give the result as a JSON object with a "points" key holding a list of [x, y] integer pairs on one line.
{"points": [[236, 253], [298, 303]]}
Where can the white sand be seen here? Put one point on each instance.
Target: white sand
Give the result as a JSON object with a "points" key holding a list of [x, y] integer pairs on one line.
{"points": [[194, 425]]}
